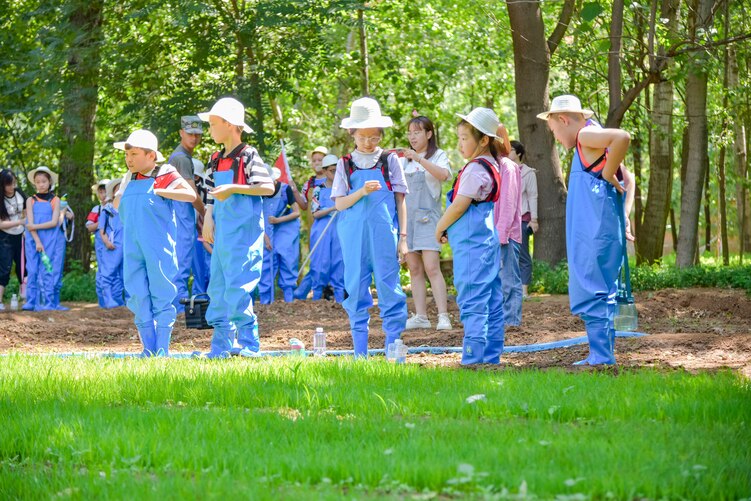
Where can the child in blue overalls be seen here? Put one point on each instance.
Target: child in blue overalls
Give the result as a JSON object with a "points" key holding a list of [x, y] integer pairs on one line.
{"points": [[92, 225], [594, 241], [468, 224], [149, 255], [281, 212], [201, 250], [111, 263], [66, 226], [43, 216], [368, 192], [326, 263], [237, 179]]}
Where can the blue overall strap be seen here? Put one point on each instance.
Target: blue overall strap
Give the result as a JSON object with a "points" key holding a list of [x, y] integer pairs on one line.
{"points": [[625, 281]]}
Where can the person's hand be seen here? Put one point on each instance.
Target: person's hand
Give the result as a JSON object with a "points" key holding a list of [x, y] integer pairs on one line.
{"points": [[267, 242], [629, 236], [534, 225], [69, 215], [221, 193], [441, 237], [208, 230], [31, 226], [371, 186], [110, 245], [40, 247], [616, 184], [401, 249], [273, 220], [411, 154], [21, 223]]}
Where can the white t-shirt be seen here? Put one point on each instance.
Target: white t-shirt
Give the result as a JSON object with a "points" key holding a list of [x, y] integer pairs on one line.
{"points": [[440, 159], [16, 212]]}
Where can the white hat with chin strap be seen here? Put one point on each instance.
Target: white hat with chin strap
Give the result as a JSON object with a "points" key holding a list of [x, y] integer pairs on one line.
{"points": [[229, 109], [141, 138]]}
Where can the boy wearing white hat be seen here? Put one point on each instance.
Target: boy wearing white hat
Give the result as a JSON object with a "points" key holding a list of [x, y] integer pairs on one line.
{"points": [[43, 216], [594, 204], [237, 179], [368, 191], [92, 225], [144, 202], [468, 225]]}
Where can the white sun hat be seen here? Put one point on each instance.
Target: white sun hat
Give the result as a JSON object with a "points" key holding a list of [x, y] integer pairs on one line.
{"points": [[483, 119], [231, 110], [43, 168], [329, 160], [141, 138], [111, 187], [198, 167], [365, 113], [102, 183], [320, 149], [566, 103]]}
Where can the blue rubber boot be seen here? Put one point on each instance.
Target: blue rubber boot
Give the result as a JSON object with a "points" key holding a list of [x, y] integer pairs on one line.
{"points": [[163, 336], [473, 352], [600, 336], [147, 333]]}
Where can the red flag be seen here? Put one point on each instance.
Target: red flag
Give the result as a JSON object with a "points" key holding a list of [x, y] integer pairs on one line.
{"points": [[282, 164]]}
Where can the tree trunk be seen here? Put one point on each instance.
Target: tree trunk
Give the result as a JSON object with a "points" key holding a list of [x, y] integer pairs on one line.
{"points": [[531, 70], [723, 208], [707, 211], [743, 208], [80, 94], [614, 61], [696, 112]]}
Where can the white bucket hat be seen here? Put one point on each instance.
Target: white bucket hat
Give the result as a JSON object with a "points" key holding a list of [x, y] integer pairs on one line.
{"points": [[566, 104], [229, 109], [43, 168], [365, 113], [141, 138], [320, 149], [111, 187], [103, 182], [329, 160], [483, 119], [198, 167]]}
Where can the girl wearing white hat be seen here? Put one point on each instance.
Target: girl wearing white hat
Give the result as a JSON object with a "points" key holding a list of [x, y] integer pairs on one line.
{"points": [[368, 190], [43, 216], [468, 224]]}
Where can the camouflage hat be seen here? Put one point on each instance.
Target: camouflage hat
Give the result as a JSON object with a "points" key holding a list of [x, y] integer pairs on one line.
{"points": [[191, 124]]}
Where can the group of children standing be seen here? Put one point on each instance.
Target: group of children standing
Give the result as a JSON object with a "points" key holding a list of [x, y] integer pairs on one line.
{"points": [[372, 210]]}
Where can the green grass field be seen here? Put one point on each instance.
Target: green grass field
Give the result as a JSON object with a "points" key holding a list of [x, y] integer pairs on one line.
{"points": [[287, 428]]}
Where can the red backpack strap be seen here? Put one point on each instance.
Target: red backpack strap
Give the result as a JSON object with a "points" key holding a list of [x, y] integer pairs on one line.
{"points": [[495, 174]]}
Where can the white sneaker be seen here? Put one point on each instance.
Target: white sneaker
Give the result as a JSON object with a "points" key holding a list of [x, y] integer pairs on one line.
{"points": [[444, 322], [417, 322]]}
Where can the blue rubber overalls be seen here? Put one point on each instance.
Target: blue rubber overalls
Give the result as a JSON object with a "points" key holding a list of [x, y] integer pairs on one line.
{"points": [[149, 262], [285, 248], [98, 248], [268, 272], [40, 288], [326, 264], [111, 264], [201, 268], [302, 290], [368, 239], [58, 262], [594, 245], [185, 216], [477, 260], [235, 269]]}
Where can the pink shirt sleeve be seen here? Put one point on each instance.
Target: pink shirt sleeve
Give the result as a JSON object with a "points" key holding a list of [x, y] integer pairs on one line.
{"points": [[507, 211]]}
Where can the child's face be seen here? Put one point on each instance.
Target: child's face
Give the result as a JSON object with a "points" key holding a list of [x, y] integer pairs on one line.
{"points": [[564, 130], [10, 188], [366, 140], [42, 182], [139, 160], [418, 138], [315, 161], [330, 172], [220, 129], [101, 192], [468, 145]]}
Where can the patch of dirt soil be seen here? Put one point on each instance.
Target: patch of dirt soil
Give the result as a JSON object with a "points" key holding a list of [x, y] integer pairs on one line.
{"points": [[688, 328]]}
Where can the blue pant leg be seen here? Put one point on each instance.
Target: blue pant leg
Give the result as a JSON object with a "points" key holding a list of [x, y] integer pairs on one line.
{"points": [[184, 238], [320, 265], [288, 266], [58, 269], [496, 331], [240, 283], [336, 278], [217, 314], [98, 248], [525, 259], [357, 282], [304, 288], [33, 262], [200, 268], [512, 284], [392, 302], [139, 301], [268, 276]]}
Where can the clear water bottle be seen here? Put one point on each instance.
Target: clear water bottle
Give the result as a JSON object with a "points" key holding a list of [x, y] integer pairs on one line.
{"points": [[14, 302], [390, 352], [626, 318], [319, 342], [400, 351]]}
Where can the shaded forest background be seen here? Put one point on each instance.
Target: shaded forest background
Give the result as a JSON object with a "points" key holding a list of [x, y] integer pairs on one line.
{"points": [[77, 75]]}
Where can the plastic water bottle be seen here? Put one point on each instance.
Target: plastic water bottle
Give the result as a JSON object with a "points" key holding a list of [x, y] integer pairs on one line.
{"points": [[46, 262], [400, 352], [390, 352], [297, 347], [626, 318], [319, 343], [14, 302]]}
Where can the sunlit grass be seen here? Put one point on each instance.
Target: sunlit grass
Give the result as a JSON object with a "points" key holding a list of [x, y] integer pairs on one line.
{"points": [[305, 428]]}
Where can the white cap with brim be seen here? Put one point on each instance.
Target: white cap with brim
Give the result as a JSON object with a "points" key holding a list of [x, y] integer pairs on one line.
{"points": [[566, 104], [229, 109], [100, 184], [43, 168], [365, 113], [320, 149], [483, 119], [111, 187], [198, 167], [141, 138], [329, 160]]}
